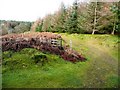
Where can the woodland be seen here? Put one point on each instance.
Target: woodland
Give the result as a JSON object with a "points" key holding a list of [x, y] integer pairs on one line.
{"points": [[75, 47]]}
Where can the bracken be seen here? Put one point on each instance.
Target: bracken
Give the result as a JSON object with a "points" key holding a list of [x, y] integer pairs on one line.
{"points": [[42, 41]]}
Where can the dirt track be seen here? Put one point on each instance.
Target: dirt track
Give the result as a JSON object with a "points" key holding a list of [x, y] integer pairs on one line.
{"points": [[102, 65]]}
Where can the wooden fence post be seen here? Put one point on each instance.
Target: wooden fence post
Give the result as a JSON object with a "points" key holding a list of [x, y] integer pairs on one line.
{"points": [[70, 44]]}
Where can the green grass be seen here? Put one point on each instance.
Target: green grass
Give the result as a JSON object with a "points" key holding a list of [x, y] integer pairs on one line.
{"points": [[100, 69]]}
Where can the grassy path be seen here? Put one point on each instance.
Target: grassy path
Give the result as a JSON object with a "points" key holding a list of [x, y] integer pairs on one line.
{"points": [[101, 67], [103, 56]]}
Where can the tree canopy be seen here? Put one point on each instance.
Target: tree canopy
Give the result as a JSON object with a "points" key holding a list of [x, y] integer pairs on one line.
{"points": [[83, 17]]}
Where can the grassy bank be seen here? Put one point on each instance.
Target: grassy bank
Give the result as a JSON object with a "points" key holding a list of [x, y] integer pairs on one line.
{"points": [[100, 69]]}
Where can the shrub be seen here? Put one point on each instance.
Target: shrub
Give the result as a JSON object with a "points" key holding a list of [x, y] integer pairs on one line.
{"points": [[39, 58], [7, 54]]}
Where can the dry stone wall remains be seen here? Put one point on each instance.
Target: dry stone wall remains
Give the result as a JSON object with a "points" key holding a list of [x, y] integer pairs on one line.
{"points": [[44, 41]]}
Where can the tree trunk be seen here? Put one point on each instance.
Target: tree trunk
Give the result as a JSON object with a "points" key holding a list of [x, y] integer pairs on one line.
{"points": [[93, 32], [113, 31], [94, 29]]}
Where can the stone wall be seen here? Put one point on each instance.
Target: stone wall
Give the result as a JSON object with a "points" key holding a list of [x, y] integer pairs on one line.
{"points": [[45, 41]]}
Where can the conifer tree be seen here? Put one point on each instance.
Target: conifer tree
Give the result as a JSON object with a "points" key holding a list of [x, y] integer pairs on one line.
{"points": [[72, 23], [61, 19], [116, 15], [39, 28]]}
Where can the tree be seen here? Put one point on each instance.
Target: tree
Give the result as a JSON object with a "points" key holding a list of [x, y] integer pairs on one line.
{"points": [[47, 23], [39, 28], [5, 25], [61, 18], [92, 17], [3, 28], [35, 25], [83, 21], [8, 27], [72, 22], [22, 27], [116, 16], [96, 17], [93, 10]]}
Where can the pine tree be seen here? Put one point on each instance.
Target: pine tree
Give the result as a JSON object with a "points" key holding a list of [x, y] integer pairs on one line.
{"points": [[61, 19], [96, 17], [47, 23], [72, 23], [82, 16], [39, 28], [116, 15]]}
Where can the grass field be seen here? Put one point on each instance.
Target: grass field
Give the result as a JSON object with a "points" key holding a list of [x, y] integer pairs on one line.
{"points": [[100, 70]]}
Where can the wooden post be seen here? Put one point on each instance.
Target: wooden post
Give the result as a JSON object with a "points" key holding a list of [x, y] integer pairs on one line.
{"points": [[60, 42], [70, 44]]}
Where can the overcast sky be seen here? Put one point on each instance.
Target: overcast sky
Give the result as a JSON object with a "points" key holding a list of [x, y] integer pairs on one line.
{"points": [[29, 10]]}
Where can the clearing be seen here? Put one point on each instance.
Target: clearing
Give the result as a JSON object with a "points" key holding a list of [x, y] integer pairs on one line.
{"points": [[100, 70]]}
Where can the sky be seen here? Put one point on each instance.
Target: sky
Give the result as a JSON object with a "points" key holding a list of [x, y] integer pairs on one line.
{"points": [[29, 10]]}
